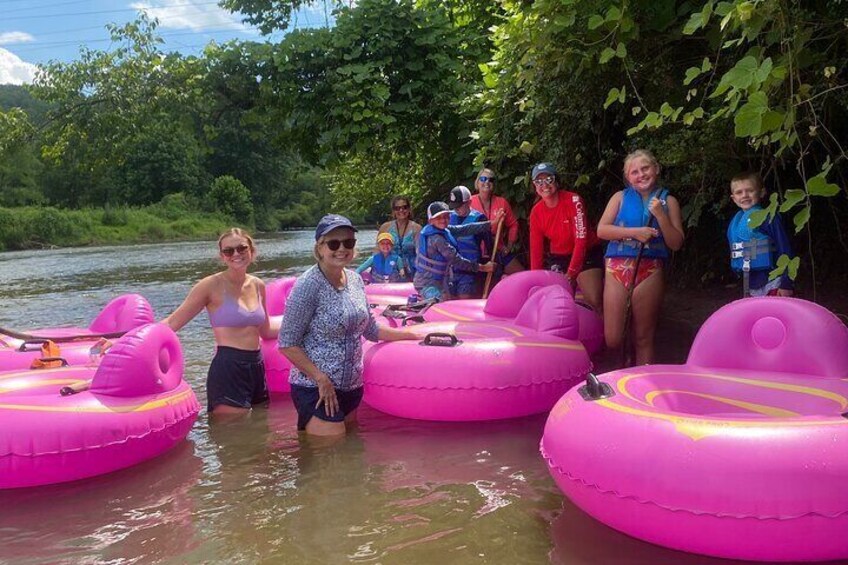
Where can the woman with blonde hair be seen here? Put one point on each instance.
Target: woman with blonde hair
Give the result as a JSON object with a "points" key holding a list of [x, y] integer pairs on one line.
{"points": [[327, 316], [235, 302]]}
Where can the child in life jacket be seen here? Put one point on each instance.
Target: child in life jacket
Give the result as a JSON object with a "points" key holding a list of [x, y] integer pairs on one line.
{"points": [[385, 266], [754, 251], [438, 251]]}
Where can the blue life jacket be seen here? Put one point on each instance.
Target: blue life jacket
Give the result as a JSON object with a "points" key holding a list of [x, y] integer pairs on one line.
{"points": [[469, 245], [437, 264], [634, 214], [385, 269], [749, 244]]}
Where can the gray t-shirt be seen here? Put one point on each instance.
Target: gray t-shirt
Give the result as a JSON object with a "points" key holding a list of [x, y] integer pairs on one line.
{"points": [[328, 324]]}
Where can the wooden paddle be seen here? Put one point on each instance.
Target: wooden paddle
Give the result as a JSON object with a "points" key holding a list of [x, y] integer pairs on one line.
{"points": [[494, 255]]}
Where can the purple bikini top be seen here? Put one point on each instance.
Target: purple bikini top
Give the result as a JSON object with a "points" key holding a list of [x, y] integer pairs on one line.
{"points": [[231, 315]]}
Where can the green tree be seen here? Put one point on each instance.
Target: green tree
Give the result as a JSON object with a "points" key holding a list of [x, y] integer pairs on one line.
{"points": [[229, 196]]}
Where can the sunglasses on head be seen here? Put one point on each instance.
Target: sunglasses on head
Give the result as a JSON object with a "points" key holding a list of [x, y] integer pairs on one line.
{"points": [[400, 207], [484, 179], [546, 180], [334, 244], [230, 251]]}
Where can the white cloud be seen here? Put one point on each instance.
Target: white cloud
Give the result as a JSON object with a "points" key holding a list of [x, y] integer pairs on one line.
{"points": [[9, 37], [181, 14], [13, 70]]}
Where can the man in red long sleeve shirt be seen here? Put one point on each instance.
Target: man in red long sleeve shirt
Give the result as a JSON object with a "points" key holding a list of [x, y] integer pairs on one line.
{"points": [[574, 248], [487, 203]]}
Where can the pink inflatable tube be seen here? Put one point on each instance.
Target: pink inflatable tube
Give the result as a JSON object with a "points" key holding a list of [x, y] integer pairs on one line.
{"points": [[496, 370], [122, 314], [136, 408], [507, 299], [740, 453], [277, 366]]}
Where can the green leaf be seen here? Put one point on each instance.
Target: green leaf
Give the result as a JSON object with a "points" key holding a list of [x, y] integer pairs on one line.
{"points": [[612, 96], [606, 55], [694, 24], [613, 14], [793, 267], [764, 70], [757, 218], [791, 198], [801, 218], [749, 119], [772, 120], [706, 65], [595, 21], [691, 74], [581, 180], [621, 51], [818, 186], [526, 147]]}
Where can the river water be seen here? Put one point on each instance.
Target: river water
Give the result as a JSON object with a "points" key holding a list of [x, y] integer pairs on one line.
{"points": [[252, 491]]}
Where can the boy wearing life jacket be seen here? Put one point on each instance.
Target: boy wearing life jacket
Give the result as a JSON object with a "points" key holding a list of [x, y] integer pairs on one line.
{"points": [[438, 251], [386, 265], [464, 283], [754, 251]]}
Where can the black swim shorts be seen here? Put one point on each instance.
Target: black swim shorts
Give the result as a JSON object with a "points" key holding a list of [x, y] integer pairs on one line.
{"points": [[236, 378]]}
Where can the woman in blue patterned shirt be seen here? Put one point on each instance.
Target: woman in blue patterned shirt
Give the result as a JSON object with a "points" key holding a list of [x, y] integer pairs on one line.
{"points": [[326, 317]]}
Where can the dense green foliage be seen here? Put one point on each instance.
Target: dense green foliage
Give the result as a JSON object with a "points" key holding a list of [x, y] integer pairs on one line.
{"points": [[411, 96]]}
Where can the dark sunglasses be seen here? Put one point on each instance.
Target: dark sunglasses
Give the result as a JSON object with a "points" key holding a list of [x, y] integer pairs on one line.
{"points": [[484, 179], [334, 244], [400, 207], [230, 251]]}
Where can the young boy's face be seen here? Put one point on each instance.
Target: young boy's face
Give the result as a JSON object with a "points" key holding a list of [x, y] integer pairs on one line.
{"points": [[385, 247], [745, 194], [441, 221]]}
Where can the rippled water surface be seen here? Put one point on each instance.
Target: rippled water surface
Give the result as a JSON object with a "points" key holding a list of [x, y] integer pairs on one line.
{"points": [[396, 491]]}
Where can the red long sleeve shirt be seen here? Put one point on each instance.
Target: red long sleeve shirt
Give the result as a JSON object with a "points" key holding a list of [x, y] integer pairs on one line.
{"points": [[567, 228], [509, 220]]}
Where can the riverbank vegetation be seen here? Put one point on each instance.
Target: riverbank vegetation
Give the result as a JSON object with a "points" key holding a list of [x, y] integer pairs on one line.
{"points": [[411, 96]]}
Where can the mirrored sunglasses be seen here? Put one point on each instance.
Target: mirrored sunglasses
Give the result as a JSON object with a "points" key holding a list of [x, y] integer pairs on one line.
{"points": [[484, 179], [546, 180]]}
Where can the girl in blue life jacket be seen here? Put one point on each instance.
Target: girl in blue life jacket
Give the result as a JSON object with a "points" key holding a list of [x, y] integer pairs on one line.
{"points": [[385, 266], [754, 251], [438, 251]]}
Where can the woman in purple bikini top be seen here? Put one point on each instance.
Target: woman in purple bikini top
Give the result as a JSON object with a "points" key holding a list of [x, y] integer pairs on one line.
{"points": [[235, 302]]}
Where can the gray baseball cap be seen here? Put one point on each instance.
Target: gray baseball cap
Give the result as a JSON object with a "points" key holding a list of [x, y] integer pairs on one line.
{"points": [[543, 168]]}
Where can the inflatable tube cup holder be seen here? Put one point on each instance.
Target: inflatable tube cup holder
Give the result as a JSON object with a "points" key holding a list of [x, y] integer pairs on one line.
{"points": [[418, 319], [595, 389], [440, 339]]}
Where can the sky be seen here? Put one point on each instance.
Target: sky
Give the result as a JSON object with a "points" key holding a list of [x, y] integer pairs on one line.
{"points": [[38, 31]]}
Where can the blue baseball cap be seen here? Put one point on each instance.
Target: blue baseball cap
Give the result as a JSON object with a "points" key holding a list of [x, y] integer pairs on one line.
{"points": [[543, 168], [330, 222]]}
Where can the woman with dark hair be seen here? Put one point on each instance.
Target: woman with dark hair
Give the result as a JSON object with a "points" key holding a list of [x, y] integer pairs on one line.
{"points": [[235, 302], [405, 233], [559, 219]]}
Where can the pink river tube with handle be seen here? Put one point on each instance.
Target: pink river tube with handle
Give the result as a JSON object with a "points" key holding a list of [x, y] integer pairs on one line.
{"points": [[742, 452], [122, 314], [488, 370], [137, 407]]}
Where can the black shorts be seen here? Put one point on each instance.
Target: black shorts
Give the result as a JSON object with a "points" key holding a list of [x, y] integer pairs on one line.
{"points": [[236, 378], [306, 397], [594, 260]]}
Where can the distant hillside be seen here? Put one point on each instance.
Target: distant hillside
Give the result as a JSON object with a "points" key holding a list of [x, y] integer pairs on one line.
{"points": [[15, 96]]}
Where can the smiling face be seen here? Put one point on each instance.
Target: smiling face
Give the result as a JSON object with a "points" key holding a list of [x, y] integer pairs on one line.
{"points": [[385, 247], [236, 252], [401, 209], [441, 221], [641, 173], [546, 185], [746, 194], [342, 256], [486, 188]]}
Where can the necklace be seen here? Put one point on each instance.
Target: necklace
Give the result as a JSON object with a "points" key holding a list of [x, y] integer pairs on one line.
{"points": [[332, 284]]}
